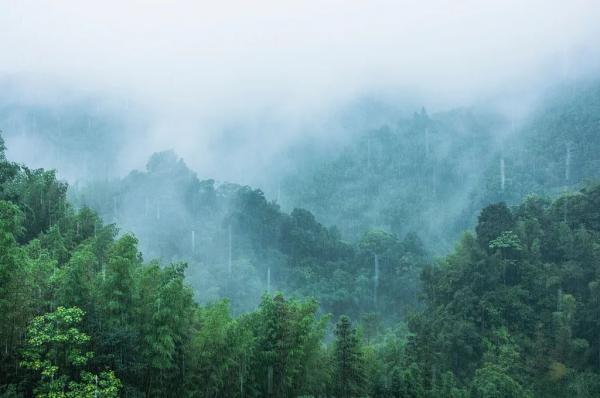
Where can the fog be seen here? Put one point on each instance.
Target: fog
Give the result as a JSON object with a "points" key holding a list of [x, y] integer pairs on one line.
{"points": [[231, 86]]}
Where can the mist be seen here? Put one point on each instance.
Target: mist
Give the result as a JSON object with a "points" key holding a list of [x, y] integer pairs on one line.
{"points": [[229, 87]]}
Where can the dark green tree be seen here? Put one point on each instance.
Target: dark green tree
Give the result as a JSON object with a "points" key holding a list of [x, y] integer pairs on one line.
{"points": [[348, 362]]}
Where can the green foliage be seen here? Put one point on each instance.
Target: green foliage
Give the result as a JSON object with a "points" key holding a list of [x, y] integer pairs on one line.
{"points": [[105, 385], [288, 337], [494, 221], [515, 317], [349, 367], [507, 240], [221, 355], [218, 227], [54, 344], [55, 350], [493, 382], [16, 284], [447, 387]]}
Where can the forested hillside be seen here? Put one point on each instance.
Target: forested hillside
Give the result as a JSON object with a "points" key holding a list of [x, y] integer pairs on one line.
{"points": [[239, 245], [513, 311], [518, 302], [430, 174], [381, 207]]}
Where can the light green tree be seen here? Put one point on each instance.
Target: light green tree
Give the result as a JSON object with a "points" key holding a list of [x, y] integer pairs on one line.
{"points": [[55, 352]]}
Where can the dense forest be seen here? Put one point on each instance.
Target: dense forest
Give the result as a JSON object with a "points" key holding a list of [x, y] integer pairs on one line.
{"points": [[239, 245], [236, 297], [432, 173], [386, 203]]}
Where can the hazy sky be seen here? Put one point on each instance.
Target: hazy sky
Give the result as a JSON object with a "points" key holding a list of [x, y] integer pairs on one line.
{"points": [[199, 67]]}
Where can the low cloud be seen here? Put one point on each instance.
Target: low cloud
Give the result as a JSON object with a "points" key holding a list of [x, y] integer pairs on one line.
{"points": [[253, 77]]}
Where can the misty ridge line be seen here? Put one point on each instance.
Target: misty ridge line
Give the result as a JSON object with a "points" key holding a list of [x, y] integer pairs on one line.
{"points": [[427, 162], [103, 134], [492, 159], [83, 133], [106, 123]]}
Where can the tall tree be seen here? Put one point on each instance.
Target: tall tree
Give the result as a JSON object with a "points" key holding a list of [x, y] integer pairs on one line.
{"points": [[348, 361]]}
